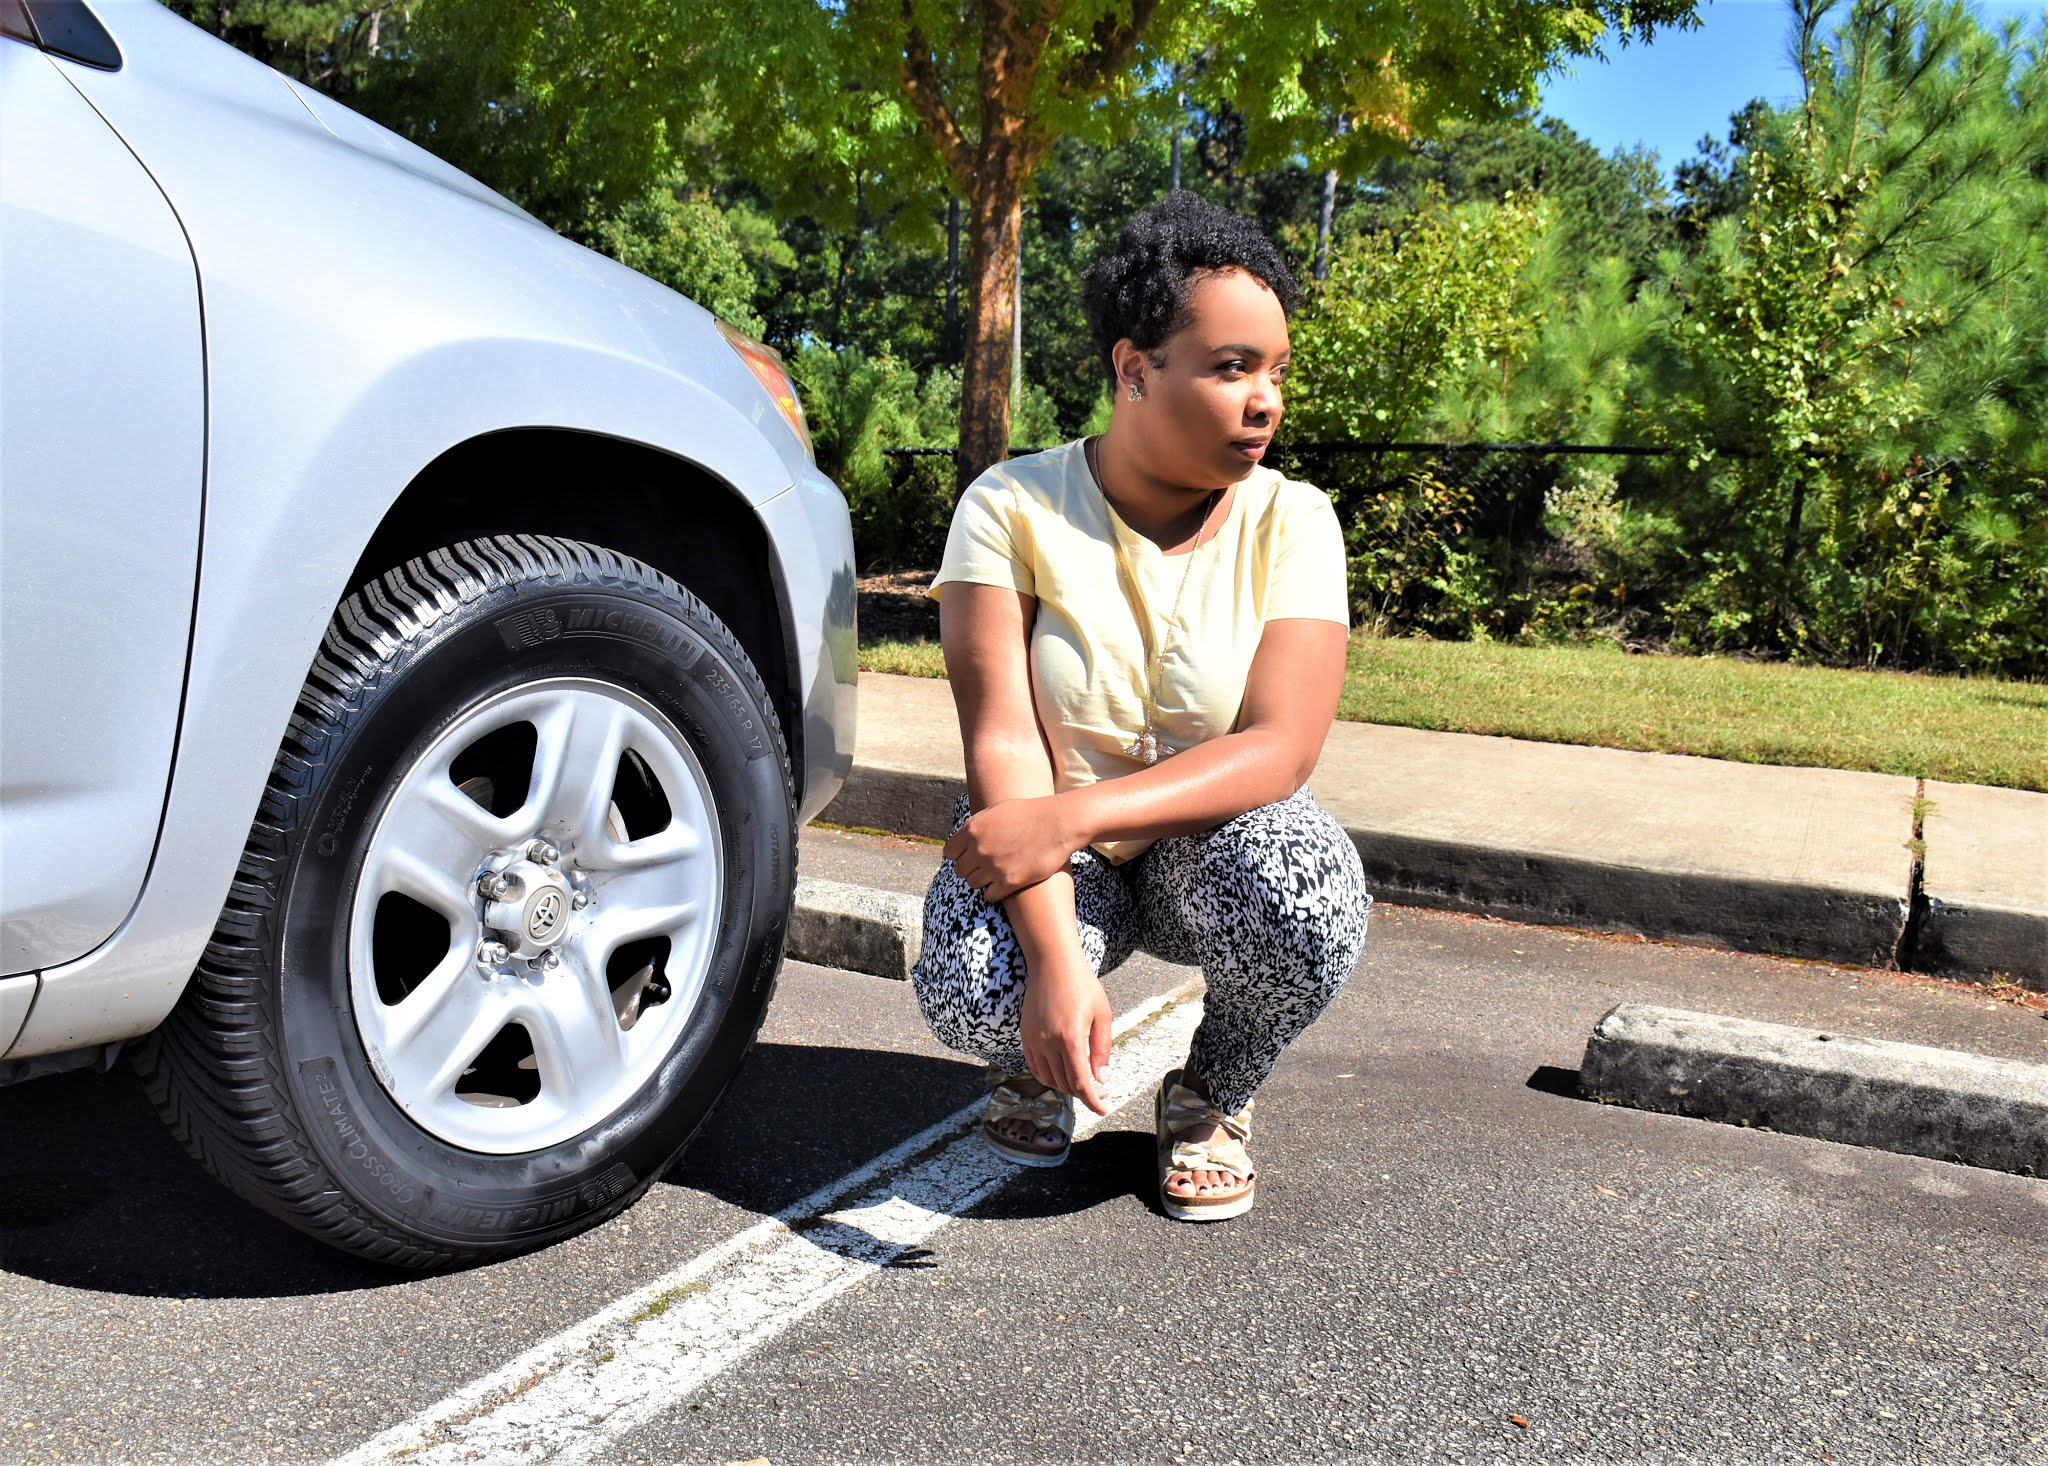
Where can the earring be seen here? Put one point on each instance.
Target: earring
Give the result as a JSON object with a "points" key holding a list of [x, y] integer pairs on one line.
{"points": [[1136, 395]]}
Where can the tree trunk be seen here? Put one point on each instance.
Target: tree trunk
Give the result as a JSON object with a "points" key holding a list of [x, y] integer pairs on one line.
{"points": [[1180, 120], [1323, 227], [991, 169], [847, 250], [1329, 211], [953, 274], [994, 225]]}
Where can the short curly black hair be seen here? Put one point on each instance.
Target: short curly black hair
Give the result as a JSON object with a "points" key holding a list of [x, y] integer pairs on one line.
{"points": [[1140, 288]]}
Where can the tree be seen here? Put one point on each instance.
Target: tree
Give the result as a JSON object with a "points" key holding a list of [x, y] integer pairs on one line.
{"points": [[1603, 205], [1867, 331], [691, 245], [996, 84], [880, 107], [1404, 317], [982, 90], [1711, 184], [329, 44]]}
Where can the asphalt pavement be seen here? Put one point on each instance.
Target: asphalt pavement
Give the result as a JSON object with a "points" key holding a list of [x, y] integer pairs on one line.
{"points": [[1453, 1256]]}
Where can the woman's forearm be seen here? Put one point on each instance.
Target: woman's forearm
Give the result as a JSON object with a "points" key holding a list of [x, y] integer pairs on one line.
{"points": [[1002, 767], [1289, 701], [1193, 790]]}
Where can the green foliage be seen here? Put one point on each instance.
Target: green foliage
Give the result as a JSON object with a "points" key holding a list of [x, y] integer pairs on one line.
{"points": [[1849, 344], [1407, 314], [857, 406], [1714, 184], [1855, 341], [1596, 578], [329, 44], [860, 405], [1792, 336], [693, 246], [1604, 205], [570, 111], [1839, 315]]}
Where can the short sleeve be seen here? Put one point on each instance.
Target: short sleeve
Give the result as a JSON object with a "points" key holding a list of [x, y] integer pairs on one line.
{"points": [[987, 542], [1307, 579]]}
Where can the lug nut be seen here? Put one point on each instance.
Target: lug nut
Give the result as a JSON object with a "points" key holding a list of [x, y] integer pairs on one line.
{"points": [[580, 900], [490, 954], [497, 887], [543, 852], [550, 960]]}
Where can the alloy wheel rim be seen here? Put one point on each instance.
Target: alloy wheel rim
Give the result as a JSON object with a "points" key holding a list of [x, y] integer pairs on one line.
{"points": [[535, 914]]}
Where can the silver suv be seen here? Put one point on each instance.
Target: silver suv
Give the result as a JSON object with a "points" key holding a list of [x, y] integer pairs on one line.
{"points": [[422, 639]]}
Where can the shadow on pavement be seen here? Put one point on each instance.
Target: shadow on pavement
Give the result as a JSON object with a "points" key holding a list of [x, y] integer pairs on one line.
{"points": [[801, 1115], [95, 1194], [1550, 1079], [1108, 1166]]}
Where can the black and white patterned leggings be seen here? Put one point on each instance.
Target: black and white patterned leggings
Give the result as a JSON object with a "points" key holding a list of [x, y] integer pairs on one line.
{"points": [[1271, 906]]}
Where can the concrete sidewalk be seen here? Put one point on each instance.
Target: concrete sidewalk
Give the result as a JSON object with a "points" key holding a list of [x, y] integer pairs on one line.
{"points": [[1801, 862]]}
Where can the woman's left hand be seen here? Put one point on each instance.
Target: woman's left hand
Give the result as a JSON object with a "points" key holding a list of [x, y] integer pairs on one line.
{"points": [[1012, 845]]}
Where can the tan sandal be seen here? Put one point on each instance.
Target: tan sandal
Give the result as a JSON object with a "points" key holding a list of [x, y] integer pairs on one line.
{"points": [[1046, 1110], [1180, 1109]]}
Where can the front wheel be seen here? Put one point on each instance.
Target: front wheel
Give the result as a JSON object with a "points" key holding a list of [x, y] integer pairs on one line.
{"points": [[509, 916]]}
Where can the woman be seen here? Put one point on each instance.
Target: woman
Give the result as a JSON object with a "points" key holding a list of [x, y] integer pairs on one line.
{"points": [[1145, 637]]}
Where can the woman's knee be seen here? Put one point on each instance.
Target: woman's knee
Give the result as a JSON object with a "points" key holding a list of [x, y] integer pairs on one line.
{"points": [[968, 991], [1285, 873]]}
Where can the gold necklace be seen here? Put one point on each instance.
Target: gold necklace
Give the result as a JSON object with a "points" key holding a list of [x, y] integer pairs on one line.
{"points": [[1146, 745]]}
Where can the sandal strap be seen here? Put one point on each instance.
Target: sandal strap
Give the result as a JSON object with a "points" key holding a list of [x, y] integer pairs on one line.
{"points": [[1186, 1109], [1225, 1153], [1048, 1109]]}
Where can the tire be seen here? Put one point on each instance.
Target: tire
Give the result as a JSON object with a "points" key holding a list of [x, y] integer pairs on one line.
{"points": [[588, 1010]]}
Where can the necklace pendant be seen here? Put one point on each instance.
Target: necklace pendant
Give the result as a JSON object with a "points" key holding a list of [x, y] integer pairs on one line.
{"points": [[1145, 746]]}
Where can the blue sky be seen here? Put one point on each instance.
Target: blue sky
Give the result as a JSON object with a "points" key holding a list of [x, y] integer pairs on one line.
{"points": [[1685, 83]]}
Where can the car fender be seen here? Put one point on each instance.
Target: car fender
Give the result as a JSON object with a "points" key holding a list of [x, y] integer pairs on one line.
{"points": [[360, 321]]}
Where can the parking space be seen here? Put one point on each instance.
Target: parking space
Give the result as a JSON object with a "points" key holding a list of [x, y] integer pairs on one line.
{"points": [[1452, 1256]]}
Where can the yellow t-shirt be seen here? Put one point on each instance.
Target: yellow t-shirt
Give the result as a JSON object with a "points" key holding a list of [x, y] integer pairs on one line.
{"points": [[1040, 525]]}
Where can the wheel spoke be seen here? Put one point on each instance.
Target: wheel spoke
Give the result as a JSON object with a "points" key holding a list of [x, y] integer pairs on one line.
{"points": [[678, 842], [431, 840], [576, 1036], [642, 903], [434, 884], [575, 764], [439, 1030]]}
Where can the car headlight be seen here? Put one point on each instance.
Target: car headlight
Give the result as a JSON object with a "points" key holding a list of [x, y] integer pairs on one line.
{"points": [[765, 362]]}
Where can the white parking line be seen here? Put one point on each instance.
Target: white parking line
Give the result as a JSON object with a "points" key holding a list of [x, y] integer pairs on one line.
{"points": [[565, 1399]]}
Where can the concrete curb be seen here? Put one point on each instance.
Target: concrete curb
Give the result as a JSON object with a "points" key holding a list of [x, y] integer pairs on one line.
{"points": [[1834, 864], [1979, 942], [1700, 907], [1983, 900], [1891, 1096], [1748, 915], [855, 928], [901, 801]]}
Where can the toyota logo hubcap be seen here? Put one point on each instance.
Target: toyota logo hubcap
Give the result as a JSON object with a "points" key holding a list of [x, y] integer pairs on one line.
{"points": [[544, 916]]}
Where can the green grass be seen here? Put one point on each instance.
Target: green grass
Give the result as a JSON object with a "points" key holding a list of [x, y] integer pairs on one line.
{"points": [[911, 658], [1965, 730]]}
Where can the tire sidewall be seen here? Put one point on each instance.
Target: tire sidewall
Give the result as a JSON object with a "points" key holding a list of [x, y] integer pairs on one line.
{"points": [[515, 634]]}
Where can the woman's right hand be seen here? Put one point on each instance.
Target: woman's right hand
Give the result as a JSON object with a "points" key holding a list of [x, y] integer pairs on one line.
{"points": [[1066, 1024]]}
